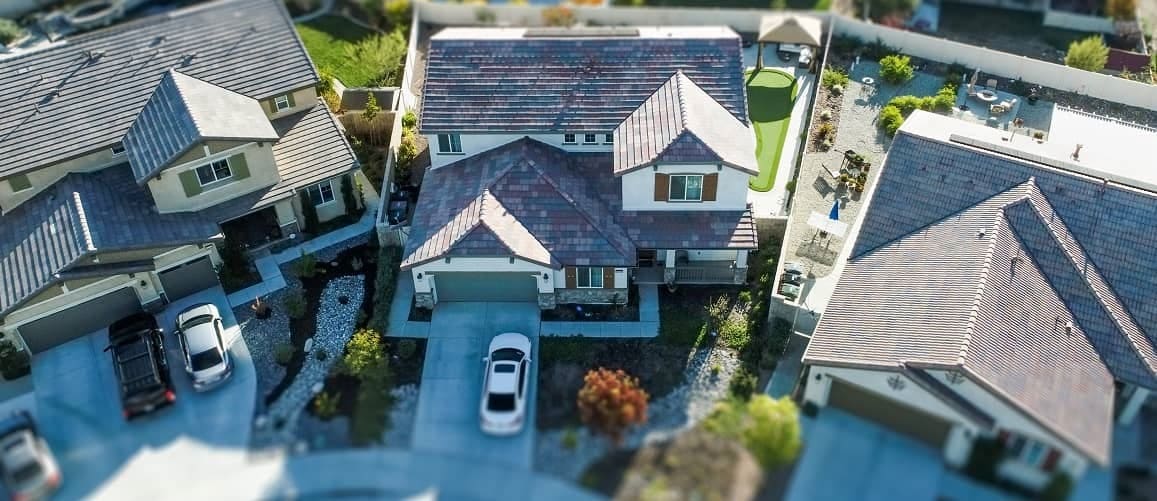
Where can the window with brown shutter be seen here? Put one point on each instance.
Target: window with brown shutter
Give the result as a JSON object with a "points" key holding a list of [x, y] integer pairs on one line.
{"points": [[710, 185], [661, 187], [571, 277], [608, 278], [1051, 460]]}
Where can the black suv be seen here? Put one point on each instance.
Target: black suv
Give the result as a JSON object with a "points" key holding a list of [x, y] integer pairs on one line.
{"points": [[138, 355]]}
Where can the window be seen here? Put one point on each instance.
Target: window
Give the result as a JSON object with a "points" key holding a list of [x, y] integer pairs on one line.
{"points": [[320, 194], [608, 138], [568, 139], [449, 143], [590, 278], [19, 183], [118, 149], [1028, 451], [282, 103], [590, 138], [686, 188], [1034, 453], [214, 172]]}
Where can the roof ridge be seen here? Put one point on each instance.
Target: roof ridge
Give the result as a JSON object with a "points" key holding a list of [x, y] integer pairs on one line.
{"points": [[981, 285], [679, 76], [82, 220]]}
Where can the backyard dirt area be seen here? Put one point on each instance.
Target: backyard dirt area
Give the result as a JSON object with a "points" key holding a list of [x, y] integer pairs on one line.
{"points": [[1005, 30]]}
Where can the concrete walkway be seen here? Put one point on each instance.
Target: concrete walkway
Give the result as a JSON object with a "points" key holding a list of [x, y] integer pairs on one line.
{"points": [[647, 326], [771, 203], [788, 368], [399, 324]]}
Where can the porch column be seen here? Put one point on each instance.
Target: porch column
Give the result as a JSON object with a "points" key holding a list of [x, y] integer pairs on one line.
{"points": [[669, 269], [1132, 405], [740, 276]]}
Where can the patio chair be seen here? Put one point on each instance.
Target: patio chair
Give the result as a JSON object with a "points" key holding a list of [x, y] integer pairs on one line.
{"points": [[833, 174], [991, 84], [971, 90]]}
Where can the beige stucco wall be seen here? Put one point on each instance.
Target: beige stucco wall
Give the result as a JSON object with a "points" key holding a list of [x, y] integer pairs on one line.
{"points": [[324, 212], [46, 176], [303, 99], [170, 196]]}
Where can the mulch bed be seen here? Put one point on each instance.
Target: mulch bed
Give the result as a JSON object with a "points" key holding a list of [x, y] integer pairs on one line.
{"points": [[405, 371], [825, 100], [596, 312]]}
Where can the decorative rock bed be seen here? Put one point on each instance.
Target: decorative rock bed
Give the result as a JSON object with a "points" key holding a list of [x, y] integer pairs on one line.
{"points": [[684, 407]]}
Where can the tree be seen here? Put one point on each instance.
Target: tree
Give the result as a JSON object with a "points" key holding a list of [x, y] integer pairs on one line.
{"points": [[611, 401], [896, 69], [309, 213], [348, 197], [1121, 10], [768, 428], [372, 108], [9, 31], [1089, 54]]}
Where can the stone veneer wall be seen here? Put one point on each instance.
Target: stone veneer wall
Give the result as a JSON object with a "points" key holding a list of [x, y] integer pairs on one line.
{"points": [[547, 301], [424, 299], [591, 296]]}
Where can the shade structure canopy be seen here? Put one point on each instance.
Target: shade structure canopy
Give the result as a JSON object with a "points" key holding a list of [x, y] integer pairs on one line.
{"points": [[826, 224], [791, 29]]}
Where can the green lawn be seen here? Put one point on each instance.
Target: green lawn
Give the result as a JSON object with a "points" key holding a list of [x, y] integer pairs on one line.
{"points": [[328, 40], [770, 95]]}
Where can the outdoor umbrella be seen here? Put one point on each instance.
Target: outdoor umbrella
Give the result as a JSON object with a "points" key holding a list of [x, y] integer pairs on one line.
{"points": [[835, 213]]}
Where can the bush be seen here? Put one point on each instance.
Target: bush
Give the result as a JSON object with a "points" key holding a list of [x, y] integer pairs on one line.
{"points": [[309, 213], [305, 266], [407, 153], [824, 131], [14, 363], [768, 428], [833, 77], [347, 196], [837, 90], [407, 348], [611, 401], [570, 439], [826, 115], [743, 384], [1058, 488], [558, 16], [384, 54], [896, 69], [363, 353], [325, 406], [397, 14], [986, 455], [326, 90], [1121, 10], [295, 304], [10, 31], [1089, 54], [890, 119], [409, 120], [234, 270], [283, 353], [388, 260], [945, 99]]}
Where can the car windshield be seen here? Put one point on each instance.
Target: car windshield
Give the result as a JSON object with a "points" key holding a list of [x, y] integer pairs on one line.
{"points": [[511, 354], [500, 402], [26, 472], [206, 359], [197, 320], [505, 368]]}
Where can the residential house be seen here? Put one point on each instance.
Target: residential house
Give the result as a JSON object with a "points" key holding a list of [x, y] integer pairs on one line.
{"points": [[997, 288], [569, 163], [127, 153]]}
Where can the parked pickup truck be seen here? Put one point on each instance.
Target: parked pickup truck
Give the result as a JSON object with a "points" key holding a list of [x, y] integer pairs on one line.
{"points": [[138, 356]]}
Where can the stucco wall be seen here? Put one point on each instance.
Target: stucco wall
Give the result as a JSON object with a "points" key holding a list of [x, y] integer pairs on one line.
{"points": [[303, 99], [169, 193], [473, 144], [639, 189], [47, 176]]}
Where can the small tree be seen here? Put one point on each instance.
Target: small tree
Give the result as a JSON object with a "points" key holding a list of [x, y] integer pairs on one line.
{"points": [[309, 213], [409, 120], [9, 31], [896, 69], [348, 197], [611, 401], [768, 428], [372, 108], [1121, 10], [407, 153], [1089, 54], [363, 353], [558, 16]]}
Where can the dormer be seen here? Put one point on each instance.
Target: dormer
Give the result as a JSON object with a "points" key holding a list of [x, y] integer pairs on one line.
{"points": [[196, 144], [682, 150]]}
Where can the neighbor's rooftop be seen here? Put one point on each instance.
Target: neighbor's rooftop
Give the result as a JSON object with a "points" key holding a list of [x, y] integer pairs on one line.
{"points": [[705, 32]]}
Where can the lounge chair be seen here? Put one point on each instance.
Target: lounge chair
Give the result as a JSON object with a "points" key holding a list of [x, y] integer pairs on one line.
{"points": [[991, 84]]}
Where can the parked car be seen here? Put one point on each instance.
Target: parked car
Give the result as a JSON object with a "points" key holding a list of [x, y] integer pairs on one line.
{"points": [[503, 409], [26, 464], [202, 340], [138, 355]]}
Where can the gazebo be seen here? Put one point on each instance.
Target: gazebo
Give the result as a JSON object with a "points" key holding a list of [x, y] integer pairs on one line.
{"points": [[788, 28]]}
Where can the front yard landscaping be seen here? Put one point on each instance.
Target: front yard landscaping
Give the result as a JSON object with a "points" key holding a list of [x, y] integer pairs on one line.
{"points": [[770, 96]]}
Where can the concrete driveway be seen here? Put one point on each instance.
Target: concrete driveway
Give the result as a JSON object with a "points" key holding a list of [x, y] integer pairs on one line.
{"points": [[78, 410], [448, 405]]}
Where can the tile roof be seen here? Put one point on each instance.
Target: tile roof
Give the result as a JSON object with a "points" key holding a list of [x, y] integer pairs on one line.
{"points": [[568, 203], [312, 148], [184, 112], [496, 80], [681, 123], [81, 215], [967, 258], [104, 78]]}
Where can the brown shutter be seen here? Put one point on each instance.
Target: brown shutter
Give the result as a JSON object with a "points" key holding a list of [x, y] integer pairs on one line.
{"points": [[608, 278], [271, 105], [571, 278], [710, 185], [1051, 460], [662, 187], [1003, 437]]}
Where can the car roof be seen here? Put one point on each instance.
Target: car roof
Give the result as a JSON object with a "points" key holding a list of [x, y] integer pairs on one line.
{"points": [[500, 382], [200, 337]]}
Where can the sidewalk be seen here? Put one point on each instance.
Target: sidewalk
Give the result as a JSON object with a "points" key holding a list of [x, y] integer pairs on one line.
{"points": [[647, 326], [399, 324]]}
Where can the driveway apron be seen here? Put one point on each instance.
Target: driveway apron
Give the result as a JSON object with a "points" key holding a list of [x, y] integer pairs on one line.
{"points": [[450, 395]]}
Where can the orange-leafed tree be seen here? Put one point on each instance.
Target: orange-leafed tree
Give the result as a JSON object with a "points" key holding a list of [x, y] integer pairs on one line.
{"points": [[611, 401]]}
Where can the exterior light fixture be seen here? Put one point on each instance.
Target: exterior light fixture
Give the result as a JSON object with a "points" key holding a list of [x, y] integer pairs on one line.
{"points": [[419, 275], [545, 276], [447, 259]]}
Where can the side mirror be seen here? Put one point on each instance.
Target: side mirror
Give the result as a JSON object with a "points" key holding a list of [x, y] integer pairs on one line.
{"points": [[485, 359]]}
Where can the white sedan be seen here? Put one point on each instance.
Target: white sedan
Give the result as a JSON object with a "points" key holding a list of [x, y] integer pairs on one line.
{"points": [[203, 346], [503, 408]]}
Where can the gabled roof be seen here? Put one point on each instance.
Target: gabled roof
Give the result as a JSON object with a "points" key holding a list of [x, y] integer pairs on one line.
{"points": [[82, 95], [522, 80], [681, 123], [183, 113], [483, 227], [790, 28]]}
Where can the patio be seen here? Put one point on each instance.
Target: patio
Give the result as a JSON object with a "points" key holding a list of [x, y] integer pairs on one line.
{"points": [[983, 110]]}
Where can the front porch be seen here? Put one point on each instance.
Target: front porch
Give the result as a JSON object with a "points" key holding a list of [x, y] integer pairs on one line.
{"points": [[691, 267], [259, 229]]}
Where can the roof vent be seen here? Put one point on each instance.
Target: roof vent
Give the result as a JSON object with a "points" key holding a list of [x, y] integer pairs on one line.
{"points": [[1068, 328], [980, 232]]}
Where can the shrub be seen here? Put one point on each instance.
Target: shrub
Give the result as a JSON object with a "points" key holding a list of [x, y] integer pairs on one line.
{"points": [[283, 353], [1089, 54], [372, 407], [385, 54], [743, 383], [945, 99], [347, 196], [14, 363], [234, 270], [407, 152], [295, 303], [388, 260], [9, 31], [570, 439], [825, 131], [986, 455], [1121, 10], [309, 213], [326, 90], [826, 115], [1058, 488], [896, 69], [558, 16], [409, 120], [372, 108], [397, 13], [837, 90], [485, 16], [611, 401], [325, 405], [407, 348], [891, 119], [833, 77], [768, 428], [305, 266], [363, 353]]}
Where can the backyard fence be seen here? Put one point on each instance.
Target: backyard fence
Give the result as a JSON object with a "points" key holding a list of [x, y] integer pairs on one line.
{"points": [[1079, 22], [376, 132]]}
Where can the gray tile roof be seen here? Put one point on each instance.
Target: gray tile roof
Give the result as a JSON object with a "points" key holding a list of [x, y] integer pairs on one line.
{"points": [[103, 79], [81, 215], [495, 80], [184, 112], [312, 148], [680, 123], [975, 260], [568, 203]]}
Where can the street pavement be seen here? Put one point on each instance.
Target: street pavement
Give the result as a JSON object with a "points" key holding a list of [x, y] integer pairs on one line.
{"points": [[451, 391]]}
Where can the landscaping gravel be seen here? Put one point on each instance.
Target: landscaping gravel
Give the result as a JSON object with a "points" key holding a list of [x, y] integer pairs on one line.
{"points": [[263, 337], [335, 326], [677, 411]]}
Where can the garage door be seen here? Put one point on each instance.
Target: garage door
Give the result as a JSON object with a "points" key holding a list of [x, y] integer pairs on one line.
{"points": [[79, 320], [884, 411], [193, 276], [464, 286]]}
